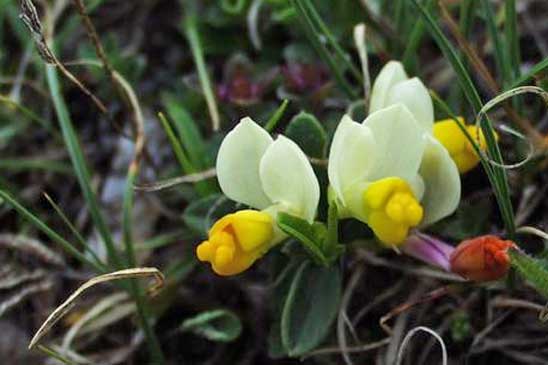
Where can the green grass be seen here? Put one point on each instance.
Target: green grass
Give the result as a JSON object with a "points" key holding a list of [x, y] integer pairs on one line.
{"points": [[497, 175]]}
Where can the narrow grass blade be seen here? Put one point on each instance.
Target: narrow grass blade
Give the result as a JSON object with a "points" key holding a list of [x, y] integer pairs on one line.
{"points": [[54, 236], [180, 154], [466, 17], [23, 164], [539, 68], [187, 131], [511, 35], [143, 312], [313, 36], [503, 66], [202, 186], [30, 115], [499, 178], [190, 28], [324, 29], [414, 40], [79, 164], [73, 229]]}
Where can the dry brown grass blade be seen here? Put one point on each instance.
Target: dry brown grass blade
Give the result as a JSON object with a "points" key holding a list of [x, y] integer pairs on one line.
{"points": [[482, 70], [29, 16], [61, 310], [433, 295], [165, 184]]}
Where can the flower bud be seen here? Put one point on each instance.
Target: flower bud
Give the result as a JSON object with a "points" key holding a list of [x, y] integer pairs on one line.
{"points": [[483, 258]]}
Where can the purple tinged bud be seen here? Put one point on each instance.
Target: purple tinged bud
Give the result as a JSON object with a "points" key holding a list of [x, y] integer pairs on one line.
{"points": [[429, 250]]}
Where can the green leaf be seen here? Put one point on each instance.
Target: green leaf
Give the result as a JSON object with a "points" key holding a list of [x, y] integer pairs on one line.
{"points": [[305, 130], [218, 325], [311, 236], [282, 274], [310, 307], [534, 270]]}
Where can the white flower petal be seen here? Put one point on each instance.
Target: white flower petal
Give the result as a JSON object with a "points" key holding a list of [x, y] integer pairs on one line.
{"points": [[391, 74], [287, 178], [399, 143], [238, 163], [441, 181], [414, 95], [351, 156]]}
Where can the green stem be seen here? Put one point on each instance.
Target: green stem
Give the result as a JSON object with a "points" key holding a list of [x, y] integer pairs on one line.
{"points": [[155, 350], [275, 118]]}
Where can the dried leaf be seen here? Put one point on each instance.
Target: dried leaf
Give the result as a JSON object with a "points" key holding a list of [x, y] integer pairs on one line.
{"points": [[61, 310]]}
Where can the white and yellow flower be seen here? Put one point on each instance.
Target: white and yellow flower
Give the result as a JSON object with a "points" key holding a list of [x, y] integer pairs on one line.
{"points": [[390, 171], [394, 86], [270, 176]]}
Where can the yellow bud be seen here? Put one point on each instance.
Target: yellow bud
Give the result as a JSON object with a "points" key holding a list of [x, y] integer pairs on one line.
{"points": [[236, 241], [391, 209], [448, 133]]}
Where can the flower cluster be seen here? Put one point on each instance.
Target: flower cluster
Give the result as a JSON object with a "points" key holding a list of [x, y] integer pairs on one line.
{"points": [[269, 175], [390, 171], [397, 171]]}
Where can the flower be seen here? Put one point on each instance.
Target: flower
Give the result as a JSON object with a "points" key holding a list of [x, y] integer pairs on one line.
{"points": [[269, 175], [483, 258], [236, 241], [454, 140], [393, 86], [389, 171]]}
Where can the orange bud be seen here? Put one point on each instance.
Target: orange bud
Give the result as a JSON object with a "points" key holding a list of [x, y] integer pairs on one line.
{"points": [[483, 258]]}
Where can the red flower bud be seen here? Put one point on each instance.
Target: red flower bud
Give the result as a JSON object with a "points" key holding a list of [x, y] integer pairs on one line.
{"points": [[483, 258]]}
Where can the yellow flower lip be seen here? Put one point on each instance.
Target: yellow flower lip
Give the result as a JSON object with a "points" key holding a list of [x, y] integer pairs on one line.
{"points": [[392, 209], [448, 133], [236, 241]]}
